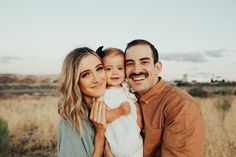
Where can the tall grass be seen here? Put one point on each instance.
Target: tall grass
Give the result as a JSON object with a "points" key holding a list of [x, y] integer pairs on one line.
{"points": [[32, 123], [33, 119], [220, 139]]}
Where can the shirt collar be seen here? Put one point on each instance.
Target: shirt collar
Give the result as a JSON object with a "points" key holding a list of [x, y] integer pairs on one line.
{"points": [[153, 92]]}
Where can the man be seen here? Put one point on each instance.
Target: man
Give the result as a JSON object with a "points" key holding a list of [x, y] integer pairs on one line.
{"points": [[173, 125]]}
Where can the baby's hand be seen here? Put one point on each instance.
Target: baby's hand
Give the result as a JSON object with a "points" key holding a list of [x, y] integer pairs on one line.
{"points": [[124, 108]]}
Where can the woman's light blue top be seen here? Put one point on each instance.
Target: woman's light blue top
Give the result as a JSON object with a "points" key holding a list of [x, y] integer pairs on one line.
{"points": [[71, 143]]}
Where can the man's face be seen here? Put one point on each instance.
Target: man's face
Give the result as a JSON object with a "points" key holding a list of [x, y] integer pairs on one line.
{"points": [[141, 72]]}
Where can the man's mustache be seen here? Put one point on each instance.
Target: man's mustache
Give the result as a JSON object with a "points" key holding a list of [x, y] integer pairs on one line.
{"points": [[135, 74]]}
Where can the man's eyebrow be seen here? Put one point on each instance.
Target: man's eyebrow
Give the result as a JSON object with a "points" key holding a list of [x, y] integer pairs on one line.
{"points": [[141, 59], [129, 60], [145, 58]]}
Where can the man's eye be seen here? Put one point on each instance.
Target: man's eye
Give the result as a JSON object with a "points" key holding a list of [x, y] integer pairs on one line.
{"points": [[129, 64], [145, 62], [84, 75]]}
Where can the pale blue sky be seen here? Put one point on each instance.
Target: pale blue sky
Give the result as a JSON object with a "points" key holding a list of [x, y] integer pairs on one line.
{"points": [[190, 35]]}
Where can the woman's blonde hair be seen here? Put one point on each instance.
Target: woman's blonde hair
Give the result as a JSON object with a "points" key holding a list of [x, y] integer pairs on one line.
{"points": [[71, 106]]}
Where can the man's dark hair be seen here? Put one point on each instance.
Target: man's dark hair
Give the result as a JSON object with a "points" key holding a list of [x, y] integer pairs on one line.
{"points": [[144, 42]]}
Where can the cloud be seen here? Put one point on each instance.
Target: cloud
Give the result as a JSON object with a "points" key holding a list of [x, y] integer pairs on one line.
{"points": [[195, 57], [215, 53], [8, 59]]}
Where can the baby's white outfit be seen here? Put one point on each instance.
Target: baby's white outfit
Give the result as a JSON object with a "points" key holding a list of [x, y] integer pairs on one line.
{"points": [[123, 134]]}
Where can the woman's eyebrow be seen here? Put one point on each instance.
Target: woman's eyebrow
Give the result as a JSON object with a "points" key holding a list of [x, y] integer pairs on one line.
{"points": [[89, 70], [84, 71], [98, 65]]}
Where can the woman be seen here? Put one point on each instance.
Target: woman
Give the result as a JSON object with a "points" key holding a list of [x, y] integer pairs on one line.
{"points": [[82, 82]]}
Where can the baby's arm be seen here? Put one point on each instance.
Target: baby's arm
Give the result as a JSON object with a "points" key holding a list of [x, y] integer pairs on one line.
{"points": [[113, 114], [139, 116]]}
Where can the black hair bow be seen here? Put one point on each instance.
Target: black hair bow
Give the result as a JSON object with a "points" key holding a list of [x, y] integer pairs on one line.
{"points": [[100, 52]]}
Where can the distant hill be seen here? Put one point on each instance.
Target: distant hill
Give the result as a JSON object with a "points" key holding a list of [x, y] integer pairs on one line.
{"points": [[28, 79]]}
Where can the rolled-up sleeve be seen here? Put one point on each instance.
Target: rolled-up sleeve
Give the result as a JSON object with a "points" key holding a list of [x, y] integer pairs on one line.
{"points": [[183, 135]]}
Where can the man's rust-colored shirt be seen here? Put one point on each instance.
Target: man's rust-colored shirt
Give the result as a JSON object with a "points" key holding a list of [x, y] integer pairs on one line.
{"points": [[173, 125]]}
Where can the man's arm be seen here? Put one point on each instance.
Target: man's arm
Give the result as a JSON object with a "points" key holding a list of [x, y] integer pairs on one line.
{"points": [[183, 135]]}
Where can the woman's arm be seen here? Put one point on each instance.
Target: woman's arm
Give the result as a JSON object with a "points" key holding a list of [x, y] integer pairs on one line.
{"points": [[107, 151], [97, 116]]}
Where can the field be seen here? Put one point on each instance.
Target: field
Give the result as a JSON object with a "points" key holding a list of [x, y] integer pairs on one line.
{"points": [[32, 122]]}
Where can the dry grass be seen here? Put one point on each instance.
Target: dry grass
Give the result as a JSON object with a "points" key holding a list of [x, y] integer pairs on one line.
{"points": [[33, 124], [220, 139]]}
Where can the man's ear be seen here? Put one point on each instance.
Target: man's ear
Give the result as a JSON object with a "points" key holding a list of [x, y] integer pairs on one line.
{"points": [[158, 67]]}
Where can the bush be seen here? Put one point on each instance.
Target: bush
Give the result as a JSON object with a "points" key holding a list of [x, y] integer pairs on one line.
{"points": [[198, 92], [4, 138], [222, 92]]}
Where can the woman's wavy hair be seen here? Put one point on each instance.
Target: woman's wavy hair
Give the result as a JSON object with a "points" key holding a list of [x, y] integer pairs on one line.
{"points": [[71, 105]]}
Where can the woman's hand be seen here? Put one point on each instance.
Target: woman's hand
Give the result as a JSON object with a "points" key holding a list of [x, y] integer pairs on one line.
{"points": [[97, 115]]}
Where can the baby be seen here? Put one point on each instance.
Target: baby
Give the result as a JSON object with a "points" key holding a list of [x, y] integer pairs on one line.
{"points": [[123, 132]]}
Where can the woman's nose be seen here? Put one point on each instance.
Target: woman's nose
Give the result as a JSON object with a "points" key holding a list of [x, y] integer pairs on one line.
{"points": [[95, 77]]}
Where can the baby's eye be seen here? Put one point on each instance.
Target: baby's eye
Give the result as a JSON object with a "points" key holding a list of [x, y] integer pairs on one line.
{"points": [[120, 68], [108, 69]]}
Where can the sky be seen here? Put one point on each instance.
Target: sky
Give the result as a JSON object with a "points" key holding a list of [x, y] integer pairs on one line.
{"points": [[191, 36]]}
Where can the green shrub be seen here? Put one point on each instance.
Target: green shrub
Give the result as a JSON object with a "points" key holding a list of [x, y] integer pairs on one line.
{"points": [[4, 138], [198, 92]]}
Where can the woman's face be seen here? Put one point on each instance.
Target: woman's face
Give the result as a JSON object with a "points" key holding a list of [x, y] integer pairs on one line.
{"points": [[92, 80]]}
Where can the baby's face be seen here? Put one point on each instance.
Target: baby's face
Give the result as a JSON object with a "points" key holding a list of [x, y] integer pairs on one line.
{"points": [[114, 68]]}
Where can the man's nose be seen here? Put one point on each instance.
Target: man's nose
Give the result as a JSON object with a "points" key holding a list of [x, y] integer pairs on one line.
{"points": [[137, 69]]}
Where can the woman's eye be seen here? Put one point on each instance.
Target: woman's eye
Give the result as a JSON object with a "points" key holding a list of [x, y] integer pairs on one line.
{"points": [[100, 68], [85, 75]]}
